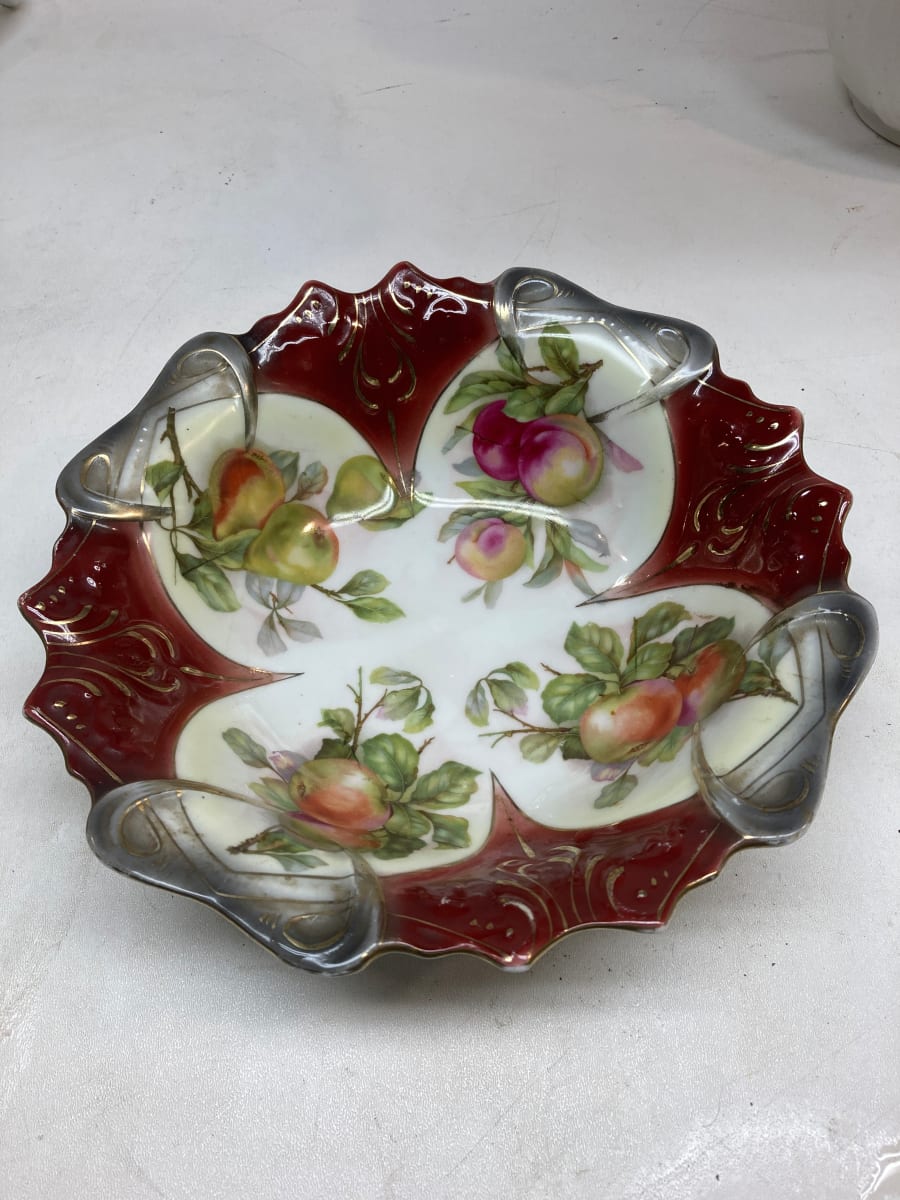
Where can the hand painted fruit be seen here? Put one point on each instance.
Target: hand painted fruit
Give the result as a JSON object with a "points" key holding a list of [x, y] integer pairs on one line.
{"points": [[362, 490], [296, 544], [340, 792], [317, 833], [496, 439], [245, 486], [618, 727], [713, 676], [560, 459], [490, 549]]}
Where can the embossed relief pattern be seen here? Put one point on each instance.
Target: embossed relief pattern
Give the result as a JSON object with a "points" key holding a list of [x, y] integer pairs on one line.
{"points": [[124, 672], [531, 884], [748, 511]]}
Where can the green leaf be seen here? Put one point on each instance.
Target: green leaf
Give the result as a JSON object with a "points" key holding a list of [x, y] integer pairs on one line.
{"points": [[392, 757], [245, 747], [407, 822], [528, 533], [278, 844], [162, 477], [463, 428], [364, 583], [419, 718], [656, 621], [392, 678], [313, 479], [508, 361], [273, 791], [666, 748], [268, 638], [210, 581], [460, 520], [400, 704], [372, 608], [393, 846], [759, 680], [567, 696], [559, 351], [507, 696], [299, 631], [340, 720], [334, 748], [595, 648], [569, 399], [492, 591], [689, 641], [201, 518], [526, 403], [520, 674], [572, 747], [578, 578], [616, 792], [477, 709], [227, 553], [449, 786], [548, 570], [650, 661], [450, 832], [538, 747], [559, 536], [477, 385], [492, 489], [288, 463]]}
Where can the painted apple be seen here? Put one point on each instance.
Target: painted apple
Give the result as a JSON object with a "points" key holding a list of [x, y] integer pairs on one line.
{"points": [[245, 487], [490, 549], [560, 459], [712, 677], [616, 728], [296, 544], [340, 792], [496, 439]]}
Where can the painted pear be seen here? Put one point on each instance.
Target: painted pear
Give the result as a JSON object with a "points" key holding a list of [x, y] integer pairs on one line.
{"points": [[245, 487], [363, 491], [296, 544]]}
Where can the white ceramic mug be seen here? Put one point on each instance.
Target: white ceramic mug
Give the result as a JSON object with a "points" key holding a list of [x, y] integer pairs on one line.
{"points": [[864, 36]]}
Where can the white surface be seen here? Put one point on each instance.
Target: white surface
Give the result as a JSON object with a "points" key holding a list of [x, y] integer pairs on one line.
{"points": [[174, 167]]}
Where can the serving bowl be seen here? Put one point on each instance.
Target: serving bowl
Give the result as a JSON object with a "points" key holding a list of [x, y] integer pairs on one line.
{"points": [[446, 617]]}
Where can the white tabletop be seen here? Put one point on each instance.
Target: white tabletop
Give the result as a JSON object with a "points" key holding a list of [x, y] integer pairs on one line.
{"points": [[173, 167]]}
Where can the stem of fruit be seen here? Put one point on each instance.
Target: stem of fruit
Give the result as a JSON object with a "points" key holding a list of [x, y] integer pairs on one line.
{"points": [[170, 436], [362, 717], [247, 843], [527, 727]]}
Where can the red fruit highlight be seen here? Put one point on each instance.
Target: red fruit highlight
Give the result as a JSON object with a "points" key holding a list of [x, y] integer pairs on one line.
{"points": [[490, 549], [560, 459], [619, 727], [496, 439]]}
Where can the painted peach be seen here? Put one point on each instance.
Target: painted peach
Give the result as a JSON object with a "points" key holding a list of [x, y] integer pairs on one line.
{"points": [[712, 677], [490, 549], [560, 459], [496, 439]]}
